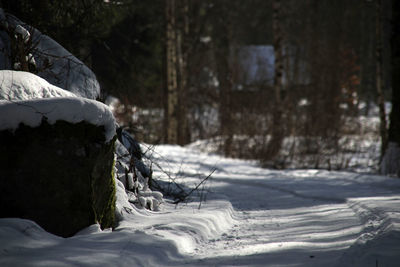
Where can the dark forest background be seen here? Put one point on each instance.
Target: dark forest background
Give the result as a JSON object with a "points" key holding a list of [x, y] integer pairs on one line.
{"points": [[180, 69]]}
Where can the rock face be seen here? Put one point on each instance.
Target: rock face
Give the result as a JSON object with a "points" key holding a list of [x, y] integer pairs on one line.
{"points": [[59, 175]]}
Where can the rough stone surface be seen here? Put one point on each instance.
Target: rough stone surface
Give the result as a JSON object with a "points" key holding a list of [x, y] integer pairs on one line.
{"points": [[60, 176]]}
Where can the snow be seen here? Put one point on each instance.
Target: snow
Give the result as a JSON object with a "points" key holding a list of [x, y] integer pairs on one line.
{"points": [[28, 99], [66, 70], [25, 35], [20, 85], [70, 109], [138, 192], [251, 217]]}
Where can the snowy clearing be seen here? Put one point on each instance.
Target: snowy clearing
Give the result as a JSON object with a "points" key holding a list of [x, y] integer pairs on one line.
{"points": [[251, 217]]}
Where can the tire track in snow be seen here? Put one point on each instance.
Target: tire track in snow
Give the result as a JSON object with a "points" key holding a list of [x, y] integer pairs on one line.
{"points": [[274, 234], [324, 217], [270, 231], [374, 223]]}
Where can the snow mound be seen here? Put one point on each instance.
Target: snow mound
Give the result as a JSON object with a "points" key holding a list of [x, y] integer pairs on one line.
{"points": [[20, 85], [70, 109], [187, 233]]}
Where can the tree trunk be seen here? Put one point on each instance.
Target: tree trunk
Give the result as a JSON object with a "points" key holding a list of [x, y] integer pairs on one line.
{"points": [[171, 114], [182, 57], [277, 135], [176, 122], [379, 77], [391, 160], [221, 49], [225, 86]]}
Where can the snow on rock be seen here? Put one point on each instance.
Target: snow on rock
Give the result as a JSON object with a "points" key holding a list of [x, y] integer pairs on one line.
{"points": [[70, 109], [122, 204], [20, 85], [61, 68], [52, 61], [132, 188], [23, 32]]}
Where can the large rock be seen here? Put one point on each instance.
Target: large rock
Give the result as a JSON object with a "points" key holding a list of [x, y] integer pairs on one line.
{"points": [[52, 61], [59, 175], [56, 158]]}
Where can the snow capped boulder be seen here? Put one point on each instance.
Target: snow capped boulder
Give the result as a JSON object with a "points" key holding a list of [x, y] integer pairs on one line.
{"points": [[56, 158], [48, 59], [56, 142]]}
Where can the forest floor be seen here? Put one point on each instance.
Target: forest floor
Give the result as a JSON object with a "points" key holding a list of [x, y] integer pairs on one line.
{"points": [[243, 215]]}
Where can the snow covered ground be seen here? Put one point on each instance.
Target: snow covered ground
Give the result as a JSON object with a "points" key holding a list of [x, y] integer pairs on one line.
{"points": [[248, 216]]}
